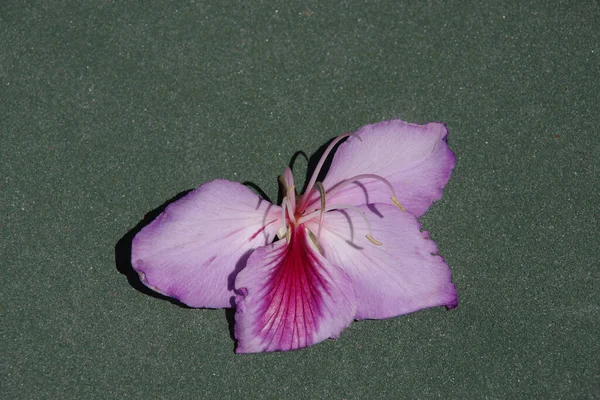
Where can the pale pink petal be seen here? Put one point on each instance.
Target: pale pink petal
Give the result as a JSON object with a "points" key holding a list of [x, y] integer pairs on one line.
{"points": [[290, 297], [403, 275], [415, 159], [196, 247]]}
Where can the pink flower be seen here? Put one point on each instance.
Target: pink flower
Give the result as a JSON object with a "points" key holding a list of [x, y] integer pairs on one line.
{"points": [[349, 248]]}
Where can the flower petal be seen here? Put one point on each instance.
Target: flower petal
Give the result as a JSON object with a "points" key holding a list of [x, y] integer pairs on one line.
{"points": [[403, 275], [291, 297], [415, 159], [194, 249]]}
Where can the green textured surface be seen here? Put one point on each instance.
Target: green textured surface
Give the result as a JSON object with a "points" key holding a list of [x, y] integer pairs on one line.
{"points": [[109, 109]]}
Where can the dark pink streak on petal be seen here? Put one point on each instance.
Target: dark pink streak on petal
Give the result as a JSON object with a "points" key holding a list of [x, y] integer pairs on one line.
{"points": [[293, 295], [290, 296], [262, 228]]}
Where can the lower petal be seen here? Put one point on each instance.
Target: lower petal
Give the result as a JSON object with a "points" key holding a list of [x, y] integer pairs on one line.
{"points": [[194, 249], [403, 275], [291, 297]]}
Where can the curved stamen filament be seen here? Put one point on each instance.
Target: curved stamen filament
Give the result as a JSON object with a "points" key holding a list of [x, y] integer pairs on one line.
{"points": [[313, 214], [287, 213], [315, 174], [356, 178], [288, 177], [291, 198], [321, 188], [283, 230]]}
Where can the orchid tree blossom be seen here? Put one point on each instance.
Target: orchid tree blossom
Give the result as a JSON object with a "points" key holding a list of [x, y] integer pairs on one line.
{"points": [[348, 248]]}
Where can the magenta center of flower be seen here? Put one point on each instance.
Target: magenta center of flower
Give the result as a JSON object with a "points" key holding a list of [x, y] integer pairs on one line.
{"points": [[294, 294]]}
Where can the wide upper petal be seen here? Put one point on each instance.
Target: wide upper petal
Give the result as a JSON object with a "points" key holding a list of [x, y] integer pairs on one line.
{"points": [[415, 159], [403, 275], [194, 249], [291, 297]]}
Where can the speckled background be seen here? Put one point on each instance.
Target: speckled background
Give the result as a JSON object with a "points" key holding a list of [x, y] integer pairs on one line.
{"points": [[109, 109]]}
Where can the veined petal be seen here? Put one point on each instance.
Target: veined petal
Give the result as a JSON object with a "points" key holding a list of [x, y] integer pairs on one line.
{"points": [[291, 297], [196, 247], [403, 275], [415, 159]]}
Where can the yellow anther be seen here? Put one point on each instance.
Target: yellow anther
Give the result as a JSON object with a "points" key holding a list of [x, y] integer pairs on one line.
{"points": [[397, 203], [282, 232], [373, 240], [291, 190]]}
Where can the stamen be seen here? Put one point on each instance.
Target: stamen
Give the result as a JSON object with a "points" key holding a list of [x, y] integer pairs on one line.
{"points": [[356, 178], [313, 214], [315, 174], [321, 188], [288, 177], [372, 240], [397, 203], [291, 196], [290, 213], [314, 240], [283, 231]]}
